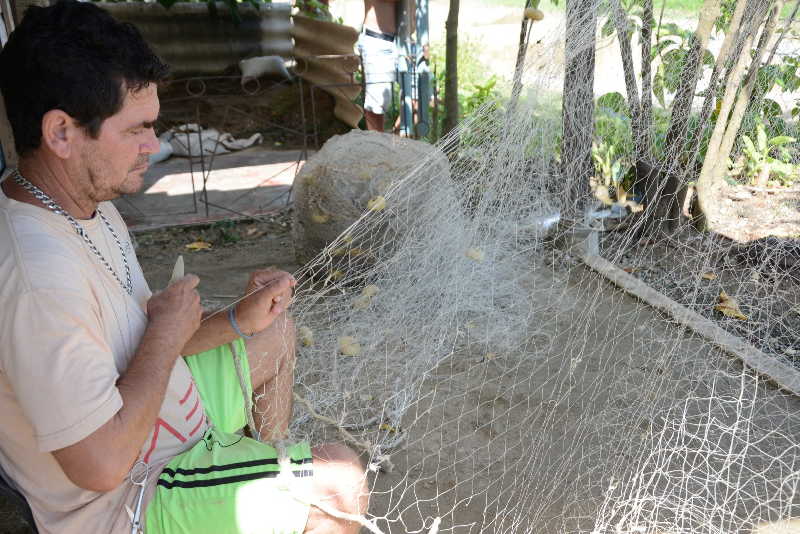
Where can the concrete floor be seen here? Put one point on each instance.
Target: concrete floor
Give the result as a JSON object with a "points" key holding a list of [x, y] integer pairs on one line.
{"points": [[254, 181]]}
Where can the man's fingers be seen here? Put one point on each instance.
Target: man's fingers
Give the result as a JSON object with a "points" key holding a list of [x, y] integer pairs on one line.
{"points": [[264, 278], [190, 281]]}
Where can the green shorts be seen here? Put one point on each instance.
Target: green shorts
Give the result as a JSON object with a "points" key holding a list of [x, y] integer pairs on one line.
{"points": [[228, 483]]}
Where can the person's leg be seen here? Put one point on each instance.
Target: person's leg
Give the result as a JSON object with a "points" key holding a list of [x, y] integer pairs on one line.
{"points": [[271, 355], [374, 121], [340, 482], [232, 484]]}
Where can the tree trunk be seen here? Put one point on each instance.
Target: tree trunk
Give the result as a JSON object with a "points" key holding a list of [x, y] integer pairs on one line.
{"points": [[578, 108], [711, 182], [743, 98], [629, 73], [682, 105], [646, 120], [451, 110], [659, 186], [519, 67], [733, 36]]}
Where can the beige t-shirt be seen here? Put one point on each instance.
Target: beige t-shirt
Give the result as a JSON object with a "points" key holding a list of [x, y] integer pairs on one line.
{"points": [[68, 332]]}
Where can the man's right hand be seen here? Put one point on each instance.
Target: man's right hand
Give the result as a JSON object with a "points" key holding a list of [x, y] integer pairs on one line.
{"points": [[101, 461], [175, 312]]}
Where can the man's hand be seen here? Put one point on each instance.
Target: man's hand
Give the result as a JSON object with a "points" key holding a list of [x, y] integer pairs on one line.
{"points": [[100, 461], [175, 313], [256, 312]]}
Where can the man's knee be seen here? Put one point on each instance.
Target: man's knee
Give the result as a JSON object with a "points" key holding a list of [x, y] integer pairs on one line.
{"points": [[342, 478]]}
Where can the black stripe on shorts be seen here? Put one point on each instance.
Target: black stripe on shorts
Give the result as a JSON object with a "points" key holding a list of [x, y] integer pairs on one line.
{"points": [[238, 465], [227, 480]]}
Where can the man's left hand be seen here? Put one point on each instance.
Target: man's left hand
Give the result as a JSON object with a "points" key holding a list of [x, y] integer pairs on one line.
{"points": [[272, 296]]}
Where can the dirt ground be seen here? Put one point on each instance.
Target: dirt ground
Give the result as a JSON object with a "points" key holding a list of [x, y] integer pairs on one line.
{"points": [[526, 442], [236, 250], [530, 438]]}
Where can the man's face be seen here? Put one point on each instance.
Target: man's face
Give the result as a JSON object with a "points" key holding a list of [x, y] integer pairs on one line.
{"points": [[113, 164]]}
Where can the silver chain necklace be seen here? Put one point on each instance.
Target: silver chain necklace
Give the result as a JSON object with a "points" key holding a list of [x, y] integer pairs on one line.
{"points": [[51, 204]]}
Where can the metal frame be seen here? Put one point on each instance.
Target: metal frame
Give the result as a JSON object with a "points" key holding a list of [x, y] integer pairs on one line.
{"points": [[197, 87]]}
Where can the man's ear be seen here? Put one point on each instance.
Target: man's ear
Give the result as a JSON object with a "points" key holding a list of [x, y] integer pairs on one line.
{"points": [[59, 133]]}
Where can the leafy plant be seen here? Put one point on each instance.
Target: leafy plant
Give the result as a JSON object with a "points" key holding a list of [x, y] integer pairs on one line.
{"points": [[609, 166], [227, 231], [671, 50], [479, 94], [475, 88], [613, 125], [315, 9], [766, 157]]}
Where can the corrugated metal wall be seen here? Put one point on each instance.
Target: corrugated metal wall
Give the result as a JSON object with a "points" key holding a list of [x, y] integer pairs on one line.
{"points": [[191, 41], [325, 57]]}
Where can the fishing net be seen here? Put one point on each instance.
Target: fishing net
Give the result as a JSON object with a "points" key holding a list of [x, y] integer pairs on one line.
{"points": [[464, 333]]}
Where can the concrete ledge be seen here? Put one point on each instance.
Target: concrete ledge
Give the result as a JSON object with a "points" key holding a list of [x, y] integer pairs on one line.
{"points": [[786, 376]]}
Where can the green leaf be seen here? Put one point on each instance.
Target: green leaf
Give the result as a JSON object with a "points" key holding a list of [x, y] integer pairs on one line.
{"points": [[673, 69], [748, 143], [614, 102], [658, 86], [766, 77], [761, 138], [770, 108], [781, 168], [608, 28], [781, 140], [708, 59]]}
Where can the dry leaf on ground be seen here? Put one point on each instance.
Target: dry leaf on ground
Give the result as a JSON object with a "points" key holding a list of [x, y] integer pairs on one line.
{"points": [[729, 307], [709, 276], [198, 245], [376, 204]]}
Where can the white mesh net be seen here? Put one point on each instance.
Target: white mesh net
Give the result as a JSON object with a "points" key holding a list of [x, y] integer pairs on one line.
{"points": [[459, 339]]}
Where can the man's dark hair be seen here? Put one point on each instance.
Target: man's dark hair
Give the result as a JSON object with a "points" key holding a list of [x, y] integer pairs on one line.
{"points": [[75, 57]]}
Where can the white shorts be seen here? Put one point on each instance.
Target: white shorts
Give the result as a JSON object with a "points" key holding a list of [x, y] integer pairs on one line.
{"points": [[380, 72]]}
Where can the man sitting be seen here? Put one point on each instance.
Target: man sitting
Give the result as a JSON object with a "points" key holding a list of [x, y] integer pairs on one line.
{"points": [[102, 383]]}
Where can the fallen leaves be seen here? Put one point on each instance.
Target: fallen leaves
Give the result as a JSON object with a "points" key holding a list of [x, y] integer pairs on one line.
{"points": [[729, 307], [370, 290], [306, 336], [475, 254], [348, 346], [320, 218], [198, 245], [710, 275], [254, 232], [362, 302], [376, 204]]}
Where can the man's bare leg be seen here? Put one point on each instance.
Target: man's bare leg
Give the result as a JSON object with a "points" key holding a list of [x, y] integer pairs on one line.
{"points": [[271, 355], [339, 476], [374, 121], [340, 482]]}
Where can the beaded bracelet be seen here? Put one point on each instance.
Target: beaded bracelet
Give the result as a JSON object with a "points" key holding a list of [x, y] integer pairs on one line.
{"points": [[235, 325]]}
